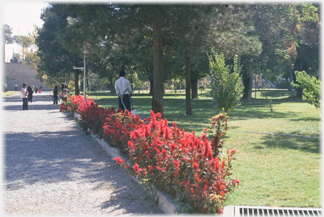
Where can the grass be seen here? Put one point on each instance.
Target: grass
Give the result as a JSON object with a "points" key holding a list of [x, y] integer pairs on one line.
{"points": [[9, 93], [274, 170]]}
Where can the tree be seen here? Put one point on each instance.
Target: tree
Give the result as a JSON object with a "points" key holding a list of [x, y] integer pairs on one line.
{"points": [[29, 49], [7, 38], [311, 88], [121, 21], [56, 62], [233, 33], [280, 27], [308, 42], [225, 86]]}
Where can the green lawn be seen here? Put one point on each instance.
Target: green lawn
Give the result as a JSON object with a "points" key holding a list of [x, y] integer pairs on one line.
{"points": [[274, 170]]}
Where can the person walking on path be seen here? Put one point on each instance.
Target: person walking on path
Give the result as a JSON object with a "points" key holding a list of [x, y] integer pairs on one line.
{"points": [[123, 91], [52, 168], [36, 88], [16, 87], [30, 94], [40, 89], [55, 92], [24, 93]]}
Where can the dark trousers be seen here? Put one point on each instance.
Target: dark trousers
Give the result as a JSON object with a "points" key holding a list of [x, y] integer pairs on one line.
{"points": [[55, 99], [25, 104], [126, 101]]}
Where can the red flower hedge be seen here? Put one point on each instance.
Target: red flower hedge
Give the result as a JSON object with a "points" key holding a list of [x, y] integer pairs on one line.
{"points": [[180, 163]]}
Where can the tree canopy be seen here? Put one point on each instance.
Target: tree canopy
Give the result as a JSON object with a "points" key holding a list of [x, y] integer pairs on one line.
{"points": [[159, 42]]}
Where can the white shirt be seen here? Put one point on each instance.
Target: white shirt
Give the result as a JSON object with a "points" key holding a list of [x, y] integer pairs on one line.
{"points": [[122, 86], [23, 91]]}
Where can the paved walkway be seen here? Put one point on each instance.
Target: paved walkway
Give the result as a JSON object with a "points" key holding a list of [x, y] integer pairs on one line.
{"points": [[53, 168]]}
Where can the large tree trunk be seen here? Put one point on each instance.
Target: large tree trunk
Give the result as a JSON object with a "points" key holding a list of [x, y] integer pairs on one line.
{"points": [[151, 87], [76, 82], [157, 99], [249, 97], [246, 87], [187, 70], [112, 86], [194, 88], [291, 79]]}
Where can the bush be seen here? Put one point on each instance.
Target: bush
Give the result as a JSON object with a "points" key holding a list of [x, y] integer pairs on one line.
{"points": [[225, 86], [187, 167], [180, 164], [311, 88]]}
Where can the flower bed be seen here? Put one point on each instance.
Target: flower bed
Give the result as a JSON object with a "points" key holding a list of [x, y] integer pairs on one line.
{"points": [[181, 164]]}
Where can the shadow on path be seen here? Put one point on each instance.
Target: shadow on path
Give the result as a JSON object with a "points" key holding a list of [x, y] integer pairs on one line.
{"points": [[55, 156]]}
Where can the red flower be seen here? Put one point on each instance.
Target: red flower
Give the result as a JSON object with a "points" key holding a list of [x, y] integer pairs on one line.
{"points": [[136, 168], [195, 165], [236, 182], [173, 146], [159, 168], [118, 160], [130, 144], [196, 178], [176, 164], [150, 168], [163, 153], [176, 173]]}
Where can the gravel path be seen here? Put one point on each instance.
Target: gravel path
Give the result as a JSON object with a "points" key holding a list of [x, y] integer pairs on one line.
{"points": [[53, 168]]}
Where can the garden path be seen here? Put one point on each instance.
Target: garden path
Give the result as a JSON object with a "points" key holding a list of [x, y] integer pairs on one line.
{"points": [[53, 168]]}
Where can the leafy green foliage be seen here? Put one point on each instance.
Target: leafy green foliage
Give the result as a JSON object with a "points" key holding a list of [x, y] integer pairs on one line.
{"points": [[225, 86], [311, 88]]}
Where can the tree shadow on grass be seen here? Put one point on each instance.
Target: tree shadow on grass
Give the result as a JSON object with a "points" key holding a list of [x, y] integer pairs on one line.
{"points": [[310, 145], [306, 119]]}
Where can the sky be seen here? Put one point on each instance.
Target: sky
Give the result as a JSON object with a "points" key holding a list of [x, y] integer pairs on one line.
{"points": [[21, 16]]}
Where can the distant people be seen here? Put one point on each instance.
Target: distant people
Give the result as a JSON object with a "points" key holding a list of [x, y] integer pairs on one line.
{"points": [[40, 89], [124, 92], [63, 86], [36, 88], [63, 94], [55, 92], [64, 99], [30, 94], [16, 87], [24, 93]]}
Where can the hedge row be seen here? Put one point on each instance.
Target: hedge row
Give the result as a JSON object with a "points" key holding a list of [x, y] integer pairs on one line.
{"points": [[175, 161]]}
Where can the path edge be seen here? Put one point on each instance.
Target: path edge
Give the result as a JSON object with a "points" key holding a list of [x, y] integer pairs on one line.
{"points": [[163, 199]]}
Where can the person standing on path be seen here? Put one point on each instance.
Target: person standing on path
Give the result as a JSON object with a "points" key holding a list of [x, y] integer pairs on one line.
{"points": [[24, 93], [16, 87], [124, 91], [30, 94], [55, 92], [42, 177], [36, 88]]}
